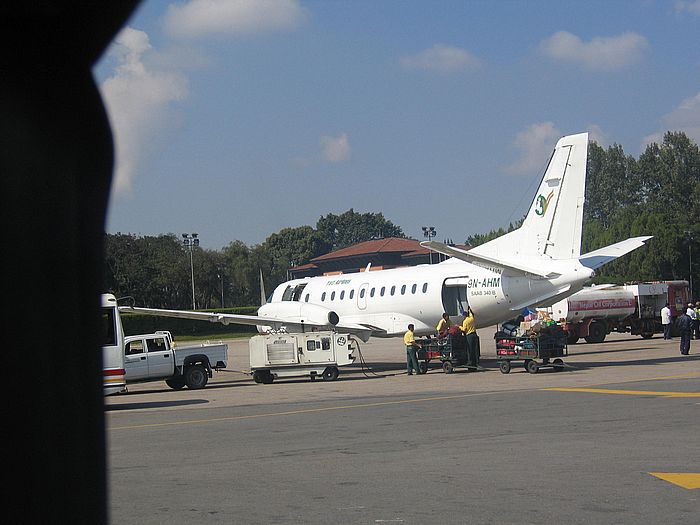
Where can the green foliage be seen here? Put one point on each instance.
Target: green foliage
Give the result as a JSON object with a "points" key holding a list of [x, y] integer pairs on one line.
{"points": [[350, 227], [155, 270]]}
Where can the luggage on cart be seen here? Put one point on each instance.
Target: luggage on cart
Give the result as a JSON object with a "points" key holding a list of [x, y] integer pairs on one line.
{"points": [[542, 349]]}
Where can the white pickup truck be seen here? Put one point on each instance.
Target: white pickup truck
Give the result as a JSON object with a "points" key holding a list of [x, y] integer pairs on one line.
{"points": [[149, 357]]}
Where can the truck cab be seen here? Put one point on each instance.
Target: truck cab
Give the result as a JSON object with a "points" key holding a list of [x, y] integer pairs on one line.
{"points": [[149, 355]]}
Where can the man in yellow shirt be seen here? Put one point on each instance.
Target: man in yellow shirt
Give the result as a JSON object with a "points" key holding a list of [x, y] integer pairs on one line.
{"points": [[443, 325], [473, 345], [411, 348]]}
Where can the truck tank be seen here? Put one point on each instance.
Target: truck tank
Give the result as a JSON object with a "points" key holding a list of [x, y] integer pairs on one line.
{"points": [[600, 303]]}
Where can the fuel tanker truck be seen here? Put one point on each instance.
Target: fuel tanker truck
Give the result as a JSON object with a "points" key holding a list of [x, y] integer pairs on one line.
{"points": [[596, 311]]}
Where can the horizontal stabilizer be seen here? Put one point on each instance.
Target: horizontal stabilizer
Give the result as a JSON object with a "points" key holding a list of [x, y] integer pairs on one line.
{"points": [[484, 260], [598, 258]]}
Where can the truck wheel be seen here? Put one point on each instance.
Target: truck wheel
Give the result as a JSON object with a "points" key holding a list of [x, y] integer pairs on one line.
{"points": [[330, 373], [196, 377], [596, 333], [504, 366], [176, 383]]}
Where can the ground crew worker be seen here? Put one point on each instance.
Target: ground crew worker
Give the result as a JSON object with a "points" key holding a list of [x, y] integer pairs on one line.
{"points": [[411, 349], [443, 325], [473, 345], [666, 321], [684, 324], [697, 320]]}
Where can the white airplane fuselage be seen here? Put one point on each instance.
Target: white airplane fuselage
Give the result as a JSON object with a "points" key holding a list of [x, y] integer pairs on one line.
{"points": [[389, 300]]}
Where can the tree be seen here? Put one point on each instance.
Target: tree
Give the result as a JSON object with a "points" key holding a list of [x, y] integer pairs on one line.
{"points": [[350, 227]]}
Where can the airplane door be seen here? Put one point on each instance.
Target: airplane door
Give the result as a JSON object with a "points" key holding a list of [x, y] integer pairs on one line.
{"points": [[455, 295], [160, 357], [362, 296], [135, 360]]}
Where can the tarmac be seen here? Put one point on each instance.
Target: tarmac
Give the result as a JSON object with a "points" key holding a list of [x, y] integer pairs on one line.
{"points": [[612, 438]]}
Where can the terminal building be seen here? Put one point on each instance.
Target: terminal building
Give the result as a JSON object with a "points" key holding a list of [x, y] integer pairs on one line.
{"points": [[382, 254]]}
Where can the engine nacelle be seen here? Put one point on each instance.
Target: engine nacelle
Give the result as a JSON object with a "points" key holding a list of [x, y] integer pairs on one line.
{"points": [[295, 313]]}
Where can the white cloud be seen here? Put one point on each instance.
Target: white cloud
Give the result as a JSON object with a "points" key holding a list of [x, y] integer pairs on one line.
{"points": [[688, 6], [139, 103], [535, 145], [335, 149], [684, 117], [596, 133], [601, 53], [442, 59], [197, 18]]}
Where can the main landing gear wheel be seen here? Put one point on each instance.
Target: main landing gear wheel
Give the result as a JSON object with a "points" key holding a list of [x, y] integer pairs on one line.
{"points": [[504, 366], [532, 366], [447, 367]]}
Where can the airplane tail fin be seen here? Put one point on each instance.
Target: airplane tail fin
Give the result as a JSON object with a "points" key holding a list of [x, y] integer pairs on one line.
{"points": [[552, 227]]}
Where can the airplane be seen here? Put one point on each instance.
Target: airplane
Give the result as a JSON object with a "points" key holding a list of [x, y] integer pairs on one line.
{"points": [[534, 265]]}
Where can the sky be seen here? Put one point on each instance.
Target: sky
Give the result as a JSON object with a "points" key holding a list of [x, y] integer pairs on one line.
{"points": [[235, 119]]}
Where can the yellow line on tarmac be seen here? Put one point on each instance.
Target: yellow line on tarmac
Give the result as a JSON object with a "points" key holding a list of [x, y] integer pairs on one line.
{"points": [[315, 410], [626, 392], [687, 480]]}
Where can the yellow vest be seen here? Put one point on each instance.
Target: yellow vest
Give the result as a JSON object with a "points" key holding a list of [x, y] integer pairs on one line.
{"points": [[469, 324], [408, 338], [442, 324]]}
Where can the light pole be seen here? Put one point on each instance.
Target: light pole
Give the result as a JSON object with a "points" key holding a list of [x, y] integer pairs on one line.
{"points": [[190, 241], [220, 275], [689, 236], [429, 232]]}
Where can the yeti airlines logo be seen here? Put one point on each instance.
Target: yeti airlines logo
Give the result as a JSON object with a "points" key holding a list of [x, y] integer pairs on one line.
{"points": [[543, 204]]}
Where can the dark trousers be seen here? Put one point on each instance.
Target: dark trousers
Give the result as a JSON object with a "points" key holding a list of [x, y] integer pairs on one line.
{"points": [[411, 359], [667, 331], [473, 349], [685, 342], [696, 327]]}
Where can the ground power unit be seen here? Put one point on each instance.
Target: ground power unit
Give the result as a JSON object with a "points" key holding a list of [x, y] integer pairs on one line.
{"points": [[311, 354]]}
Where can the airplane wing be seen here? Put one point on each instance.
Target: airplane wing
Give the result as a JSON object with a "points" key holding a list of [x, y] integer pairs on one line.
{"points": [[484, 260], [598, 258], [214, 317], [276, 323]]}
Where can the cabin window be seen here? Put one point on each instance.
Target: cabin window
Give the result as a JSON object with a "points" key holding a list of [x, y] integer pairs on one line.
{"points": [[425, 287], [413, 288], [371, 292], [352, 294], [342, 295], [403, 289], [306, 299], [332, 296], [393, 290], [323, 296], [134, 347], [381, 292], [362, 293]]}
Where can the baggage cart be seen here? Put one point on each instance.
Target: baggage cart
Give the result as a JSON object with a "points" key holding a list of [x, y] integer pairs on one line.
{"points": [[450, 350], [535, 351]]}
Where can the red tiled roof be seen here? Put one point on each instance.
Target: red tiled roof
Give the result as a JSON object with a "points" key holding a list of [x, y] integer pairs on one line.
{"points": [[392, 244]]}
